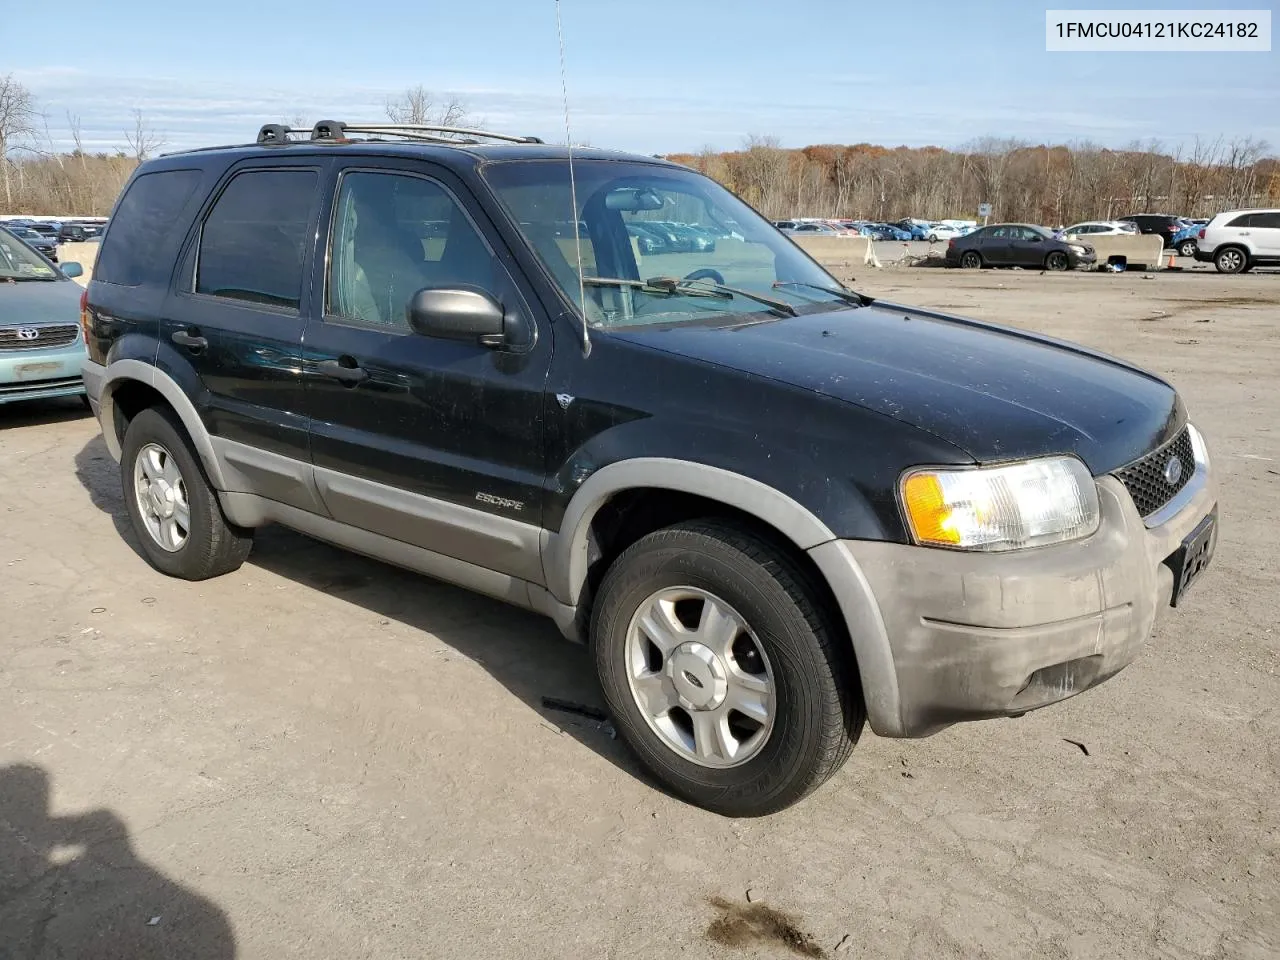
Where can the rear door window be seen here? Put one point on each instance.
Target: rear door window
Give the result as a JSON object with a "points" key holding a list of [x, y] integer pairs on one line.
{"points": [[253, 242], [146, 228], [1267, 221]]}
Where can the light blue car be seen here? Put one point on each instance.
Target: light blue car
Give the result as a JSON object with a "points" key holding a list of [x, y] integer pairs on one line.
{"points": [[41, 345]]}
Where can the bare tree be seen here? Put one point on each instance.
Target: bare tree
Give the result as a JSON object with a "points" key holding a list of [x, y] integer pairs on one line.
{"points": [[143, 141], [17, 125], [420, 105]]}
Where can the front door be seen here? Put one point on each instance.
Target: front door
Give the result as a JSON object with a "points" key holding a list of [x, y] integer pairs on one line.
{"points": [[236, 318], [437, 443]]}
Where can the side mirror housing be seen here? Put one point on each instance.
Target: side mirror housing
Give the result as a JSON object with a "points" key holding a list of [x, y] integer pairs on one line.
{"points": [[72, 270], [457, 313]]}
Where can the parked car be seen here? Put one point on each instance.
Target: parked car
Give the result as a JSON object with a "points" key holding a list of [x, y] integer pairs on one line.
{"points": [[785, 224], [1239, 240], [943, 231], [1018, 245], [1184, 241], [914, 229], [889, 231], [1162, 225], [770, 506], [697, 240], [46, 228], [1098, 228], [811, 228], [41, 344], [46, 246], [647, 241]]}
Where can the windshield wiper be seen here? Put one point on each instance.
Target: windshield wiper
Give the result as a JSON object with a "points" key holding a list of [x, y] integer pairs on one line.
{"points": [[675, 286], [848, 296]]}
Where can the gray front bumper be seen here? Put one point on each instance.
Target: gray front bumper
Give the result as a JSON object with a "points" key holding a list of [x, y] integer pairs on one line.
{"points": [[976, 635]]}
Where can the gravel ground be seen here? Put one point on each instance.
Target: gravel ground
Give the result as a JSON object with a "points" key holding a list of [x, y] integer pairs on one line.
{"points": [[323, 757]]}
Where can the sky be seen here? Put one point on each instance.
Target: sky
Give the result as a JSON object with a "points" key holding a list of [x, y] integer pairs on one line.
{"points": [[652, 76]]}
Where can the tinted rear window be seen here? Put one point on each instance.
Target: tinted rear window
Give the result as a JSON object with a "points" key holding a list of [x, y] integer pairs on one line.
{"points": [[254, 239], [146, 228]]}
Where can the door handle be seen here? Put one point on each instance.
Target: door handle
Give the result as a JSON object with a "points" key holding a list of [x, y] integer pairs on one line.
{"points": [[341, 372], [185, 338]]}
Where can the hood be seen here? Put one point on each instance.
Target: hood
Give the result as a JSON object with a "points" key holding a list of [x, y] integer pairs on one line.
{"points": [[994, 392], [39, 301]]}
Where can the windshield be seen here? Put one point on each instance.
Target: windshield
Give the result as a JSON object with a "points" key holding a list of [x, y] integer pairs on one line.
{"points": [[642, 222], [20, 262]]}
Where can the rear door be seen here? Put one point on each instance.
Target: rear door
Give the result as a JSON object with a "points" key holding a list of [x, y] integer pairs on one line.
{"points": [[436, 443], [237, 316], [994, 245], [1265, 228]]}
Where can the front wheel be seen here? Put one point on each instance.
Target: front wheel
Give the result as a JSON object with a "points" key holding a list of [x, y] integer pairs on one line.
{"points": [[1230, 260], [721, 669], [1057, 261], [174, 509]]}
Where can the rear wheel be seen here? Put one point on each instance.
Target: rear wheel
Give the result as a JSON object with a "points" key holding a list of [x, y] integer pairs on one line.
{"points": [[1057, 261], [721, 670], [1230, 260], [1187, 248], [174, 510], [971, 260]]}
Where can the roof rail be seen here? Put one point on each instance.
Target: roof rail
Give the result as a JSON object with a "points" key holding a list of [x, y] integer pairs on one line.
{"points": [[273, 133]]}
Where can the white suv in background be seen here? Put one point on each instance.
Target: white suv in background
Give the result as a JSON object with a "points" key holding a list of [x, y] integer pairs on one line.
{"points": [[1240, 240]]}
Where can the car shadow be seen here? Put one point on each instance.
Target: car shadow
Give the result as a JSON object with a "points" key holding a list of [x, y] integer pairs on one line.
{"points": [[72, 886], [521, 650], [38, 413]]}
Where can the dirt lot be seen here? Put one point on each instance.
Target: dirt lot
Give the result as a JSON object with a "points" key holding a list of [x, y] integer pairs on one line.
{"points": [[320, 756]]}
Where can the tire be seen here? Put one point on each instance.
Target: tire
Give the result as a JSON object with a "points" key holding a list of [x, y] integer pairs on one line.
{"points": [[1231, 260], [814, 707], [971, 260], [1187, 248], [210, 545], [933, 238]]}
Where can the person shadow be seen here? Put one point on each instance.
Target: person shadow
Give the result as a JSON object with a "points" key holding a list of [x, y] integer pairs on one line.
{"points": [[72, 886], [521, 650]]}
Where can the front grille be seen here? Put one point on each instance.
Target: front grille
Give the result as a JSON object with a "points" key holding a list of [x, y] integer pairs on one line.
{"points": [[1145, 479], [48, 335]]}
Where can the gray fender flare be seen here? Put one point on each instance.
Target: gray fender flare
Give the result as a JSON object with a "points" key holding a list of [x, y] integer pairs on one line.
{"points": [[565, 555], [120, 371]]}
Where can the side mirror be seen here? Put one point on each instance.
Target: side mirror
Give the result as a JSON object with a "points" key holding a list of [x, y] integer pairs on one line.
{"points": [[72, 270], [457, 313]]}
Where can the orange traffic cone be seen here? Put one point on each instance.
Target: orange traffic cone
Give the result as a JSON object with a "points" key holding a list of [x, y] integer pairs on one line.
{"points": [[1169, 265]]}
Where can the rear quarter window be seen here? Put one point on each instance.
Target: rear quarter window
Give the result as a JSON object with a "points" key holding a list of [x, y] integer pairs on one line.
{"points": [[146, 228], [1244, 220]]}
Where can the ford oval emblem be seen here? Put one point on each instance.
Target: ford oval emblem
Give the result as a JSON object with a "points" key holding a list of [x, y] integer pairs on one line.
{"points": [[1173, 471]]}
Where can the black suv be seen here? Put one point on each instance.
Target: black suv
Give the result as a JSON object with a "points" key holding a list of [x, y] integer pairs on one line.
{"points": [[1161, 224], [774, 507]]}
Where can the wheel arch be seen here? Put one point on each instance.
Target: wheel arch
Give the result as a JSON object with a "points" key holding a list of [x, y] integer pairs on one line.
{"points": [[124, 376], [568, 557]]}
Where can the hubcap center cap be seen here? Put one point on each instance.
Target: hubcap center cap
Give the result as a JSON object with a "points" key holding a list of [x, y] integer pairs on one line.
{"points": [[161, 495], [699, 676]]}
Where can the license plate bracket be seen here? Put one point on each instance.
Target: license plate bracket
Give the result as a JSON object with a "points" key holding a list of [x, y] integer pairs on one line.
{"points": [[1193, 556]]}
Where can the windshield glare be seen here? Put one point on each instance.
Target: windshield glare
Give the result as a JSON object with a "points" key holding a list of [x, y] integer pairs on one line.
{"points": [[638, 222], [19, 262]]}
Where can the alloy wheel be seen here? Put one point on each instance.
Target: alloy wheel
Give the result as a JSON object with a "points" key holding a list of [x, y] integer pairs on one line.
{"points": [[700, 677]]}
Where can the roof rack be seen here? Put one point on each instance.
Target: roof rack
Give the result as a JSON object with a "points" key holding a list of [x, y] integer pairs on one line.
{"points": [[273, 133]]}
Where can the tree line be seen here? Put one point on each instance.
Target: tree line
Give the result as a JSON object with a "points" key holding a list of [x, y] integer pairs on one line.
{"points": [[38, 178], [1055, 185], [1058, 184]]}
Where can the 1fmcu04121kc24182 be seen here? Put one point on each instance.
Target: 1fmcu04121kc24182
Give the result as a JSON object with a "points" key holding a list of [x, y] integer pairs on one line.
{"points": [[775, 509]]}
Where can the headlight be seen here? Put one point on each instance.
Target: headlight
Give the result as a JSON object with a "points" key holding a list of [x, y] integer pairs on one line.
{"points": [[1001, 508], [1076, 247]]}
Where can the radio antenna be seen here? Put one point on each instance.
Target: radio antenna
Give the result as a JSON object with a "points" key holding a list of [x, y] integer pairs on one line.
{"points": [[573, 190]]}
